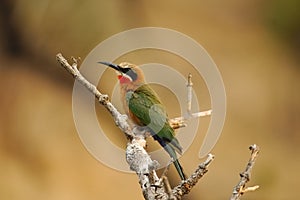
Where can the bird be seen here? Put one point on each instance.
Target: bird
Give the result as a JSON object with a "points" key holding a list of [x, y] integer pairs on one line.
{"points": [[144, 108]]}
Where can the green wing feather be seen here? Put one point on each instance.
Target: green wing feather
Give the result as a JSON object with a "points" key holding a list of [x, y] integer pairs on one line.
{"points": [[146, 106]]}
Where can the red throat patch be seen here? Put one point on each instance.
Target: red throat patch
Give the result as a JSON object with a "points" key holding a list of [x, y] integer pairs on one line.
{"points": [[123, 79]]}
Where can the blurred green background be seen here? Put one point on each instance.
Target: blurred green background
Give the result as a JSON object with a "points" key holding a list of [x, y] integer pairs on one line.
{"points": [[254, 43]]}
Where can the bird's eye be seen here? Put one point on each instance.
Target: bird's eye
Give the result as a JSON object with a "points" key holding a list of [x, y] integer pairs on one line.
{"points": [[130, 72]]}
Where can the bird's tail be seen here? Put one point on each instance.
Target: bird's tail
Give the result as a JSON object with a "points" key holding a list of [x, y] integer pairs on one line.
{"points": [[179, 169], [176, 163]]}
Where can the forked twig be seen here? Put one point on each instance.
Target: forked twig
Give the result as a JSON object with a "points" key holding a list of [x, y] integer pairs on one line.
{"points": [[241, 188], [180, 122]]}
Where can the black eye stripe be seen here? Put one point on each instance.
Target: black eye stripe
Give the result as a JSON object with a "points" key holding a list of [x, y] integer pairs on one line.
{"points": [[130, 72]]}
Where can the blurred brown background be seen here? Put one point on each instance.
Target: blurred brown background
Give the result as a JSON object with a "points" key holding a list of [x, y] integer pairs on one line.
{"points": [[254, 43]]}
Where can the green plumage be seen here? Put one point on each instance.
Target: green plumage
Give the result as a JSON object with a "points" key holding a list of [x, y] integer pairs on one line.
{"points": [[144, 104], [145, 109]]}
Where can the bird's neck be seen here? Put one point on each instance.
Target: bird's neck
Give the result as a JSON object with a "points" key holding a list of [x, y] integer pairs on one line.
{"points": [[130, 86]]}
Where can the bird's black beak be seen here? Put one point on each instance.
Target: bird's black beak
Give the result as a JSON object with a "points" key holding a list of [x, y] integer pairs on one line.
{"points": [[114, 66]]}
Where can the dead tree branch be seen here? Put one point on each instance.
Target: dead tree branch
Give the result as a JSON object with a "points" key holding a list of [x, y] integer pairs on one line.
{"points": [[186, 186], [136, 156], [180, 122], [102, 98], [241, 188]]}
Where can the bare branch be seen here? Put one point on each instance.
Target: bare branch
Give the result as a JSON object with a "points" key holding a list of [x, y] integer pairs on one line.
{"points": [[240, 188], [140, 161], [186, 186], [180, 122], [102, 98], [136, 156], [168, 187]]}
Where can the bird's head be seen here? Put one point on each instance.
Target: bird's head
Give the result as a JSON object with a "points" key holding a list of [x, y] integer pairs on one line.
{"points": [[127, 73]]}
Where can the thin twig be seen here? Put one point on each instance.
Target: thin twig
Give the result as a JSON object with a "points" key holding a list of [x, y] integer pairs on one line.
{"points": [[180, 122], [189, 93], [168, 187], [241, 188]]}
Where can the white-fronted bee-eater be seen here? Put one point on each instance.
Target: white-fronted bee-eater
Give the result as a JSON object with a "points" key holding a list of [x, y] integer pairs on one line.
{"points": [[144, 108]]}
